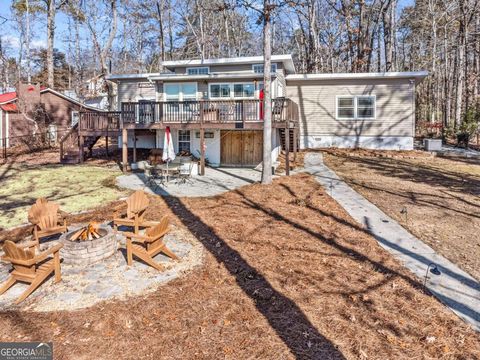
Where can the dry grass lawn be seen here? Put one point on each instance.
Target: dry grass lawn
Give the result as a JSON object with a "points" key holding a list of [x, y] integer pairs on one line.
{"points": [[440, 198], [75, 188], [287, 275]]}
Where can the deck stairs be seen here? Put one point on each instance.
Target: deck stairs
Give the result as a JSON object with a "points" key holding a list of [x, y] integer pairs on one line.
{"points": [[70, 146], [282, 139]]}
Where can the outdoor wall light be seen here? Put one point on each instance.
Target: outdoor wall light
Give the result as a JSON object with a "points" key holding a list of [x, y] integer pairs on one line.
{"points": [[433, 269]]}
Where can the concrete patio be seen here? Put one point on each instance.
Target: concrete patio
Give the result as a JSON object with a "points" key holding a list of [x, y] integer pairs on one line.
{"points": [[215, 181]]}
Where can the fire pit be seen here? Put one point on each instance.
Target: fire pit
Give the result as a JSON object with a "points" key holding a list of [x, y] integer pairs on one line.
{"points": [[88, 244]]}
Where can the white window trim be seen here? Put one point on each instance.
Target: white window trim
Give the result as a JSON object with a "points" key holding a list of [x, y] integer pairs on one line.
{"points": [[232, 93], [71, 116], [374, 107], [179, 141], [355, 107], [272, 64], [220, 97], [180, 94], [198, 67]]}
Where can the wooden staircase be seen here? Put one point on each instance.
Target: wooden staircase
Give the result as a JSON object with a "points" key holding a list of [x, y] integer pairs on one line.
{"points": [[282, 139], [70, 146]]}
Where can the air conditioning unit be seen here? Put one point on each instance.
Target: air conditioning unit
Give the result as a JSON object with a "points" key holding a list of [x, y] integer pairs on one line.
{"points": [[432, 144]]}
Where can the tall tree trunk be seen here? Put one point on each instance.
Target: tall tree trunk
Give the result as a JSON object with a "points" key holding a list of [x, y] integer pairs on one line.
{"points": [[27, 41], [161, 36], [50, 41], [476, 60], [460, 73], [388, 16], [267, 84]]}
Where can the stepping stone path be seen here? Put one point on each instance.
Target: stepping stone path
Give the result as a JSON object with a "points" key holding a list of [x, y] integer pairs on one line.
{"points": [[82, 287]]}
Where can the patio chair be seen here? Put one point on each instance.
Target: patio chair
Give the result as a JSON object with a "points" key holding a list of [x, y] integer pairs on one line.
{"points": [[150, 177], [147, 246], [185, 173], [47, 219], [133, 215], [30, 268]]}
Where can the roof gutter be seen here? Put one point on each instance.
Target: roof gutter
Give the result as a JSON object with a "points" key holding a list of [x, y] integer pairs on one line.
{"points": [[417, 75]]}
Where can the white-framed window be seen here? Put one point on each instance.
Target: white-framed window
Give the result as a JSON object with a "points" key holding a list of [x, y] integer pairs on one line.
{"points": [[75, 117], [204, 70], [350, 107], [366, 106], [180, 91], [183, 141], [220, 91], [232, 90], [243, 90], [258, 68]]}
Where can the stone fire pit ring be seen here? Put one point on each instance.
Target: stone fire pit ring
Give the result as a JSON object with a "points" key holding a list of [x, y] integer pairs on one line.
{"points": [[88, 252]]}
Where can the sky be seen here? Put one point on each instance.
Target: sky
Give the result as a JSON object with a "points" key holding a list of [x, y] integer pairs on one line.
{"points": [[10, 33]]}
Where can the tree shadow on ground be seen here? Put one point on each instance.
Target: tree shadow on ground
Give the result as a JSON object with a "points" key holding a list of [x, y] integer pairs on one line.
{"points": [[283, 314], [358, 256], [419, 173]]}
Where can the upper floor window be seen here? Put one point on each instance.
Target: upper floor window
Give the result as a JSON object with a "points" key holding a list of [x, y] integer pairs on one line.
{"points": [[232, 90], [258, 68], [356, 107], [243, 90], [180, 91], [198, 70], [220, 90]]}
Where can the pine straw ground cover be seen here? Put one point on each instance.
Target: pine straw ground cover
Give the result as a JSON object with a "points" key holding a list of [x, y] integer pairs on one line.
{"points": [[288, 274], [436, 199]]}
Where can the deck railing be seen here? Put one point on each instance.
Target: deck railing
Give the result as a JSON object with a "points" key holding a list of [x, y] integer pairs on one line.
{"points": [[206, 111], [99, 121]]}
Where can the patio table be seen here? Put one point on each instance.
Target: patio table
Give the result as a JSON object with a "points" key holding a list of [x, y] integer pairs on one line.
{"points": [[167, 170]]}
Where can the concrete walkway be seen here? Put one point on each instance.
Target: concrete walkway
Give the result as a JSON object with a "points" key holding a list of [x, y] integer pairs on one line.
{"points": [[454, 287]]}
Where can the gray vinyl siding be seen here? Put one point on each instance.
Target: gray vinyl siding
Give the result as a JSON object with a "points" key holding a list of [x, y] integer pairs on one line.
{"points": [[225, 68], [130, 91], [395, 113]]}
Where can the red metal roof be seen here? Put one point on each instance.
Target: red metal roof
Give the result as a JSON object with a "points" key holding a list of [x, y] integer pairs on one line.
{"points": [[7, 96], [9, 107]]}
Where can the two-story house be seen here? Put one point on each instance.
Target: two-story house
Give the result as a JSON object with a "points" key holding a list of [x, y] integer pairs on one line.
{"points": [[220, 101]]}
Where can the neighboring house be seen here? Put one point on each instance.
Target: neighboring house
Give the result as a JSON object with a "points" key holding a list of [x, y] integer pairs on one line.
{"points": [[96, 86], [372, 110], [59, 111], [99, 102]]}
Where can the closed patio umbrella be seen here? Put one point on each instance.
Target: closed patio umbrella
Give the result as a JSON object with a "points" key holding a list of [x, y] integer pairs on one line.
{"points": [[168, 150]]}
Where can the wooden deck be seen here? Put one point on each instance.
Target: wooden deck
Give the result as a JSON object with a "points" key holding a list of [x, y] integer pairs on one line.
{"points": [[245, 114], [222, 114]]}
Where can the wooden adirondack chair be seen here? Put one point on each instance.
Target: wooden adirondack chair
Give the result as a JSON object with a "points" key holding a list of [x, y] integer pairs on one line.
{"points": [[147, 246], [47, 219], [137, 204], [28, 267]]}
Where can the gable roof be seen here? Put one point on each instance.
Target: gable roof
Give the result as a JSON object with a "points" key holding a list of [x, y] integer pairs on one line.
{"points": [[7, 97], [10, 97], [9, 107]]}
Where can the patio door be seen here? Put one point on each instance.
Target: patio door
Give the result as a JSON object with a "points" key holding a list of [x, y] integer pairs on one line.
{"points": [[241, 148]]}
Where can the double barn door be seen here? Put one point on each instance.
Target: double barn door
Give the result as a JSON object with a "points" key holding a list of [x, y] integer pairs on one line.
{"points": [[241, 147]]}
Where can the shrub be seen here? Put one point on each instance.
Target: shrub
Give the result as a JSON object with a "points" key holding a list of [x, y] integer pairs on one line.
{"points": [[469, 126]]}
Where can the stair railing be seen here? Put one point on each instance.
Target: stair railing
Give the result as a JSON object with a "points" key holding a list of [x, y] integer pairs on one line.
{"points": [[69, 141]]}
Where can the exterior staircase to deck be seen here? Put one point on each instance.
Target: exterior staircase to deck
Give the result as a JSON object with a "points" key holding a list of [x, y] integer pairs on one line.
{"points": [[70, 146], [282, 139]]}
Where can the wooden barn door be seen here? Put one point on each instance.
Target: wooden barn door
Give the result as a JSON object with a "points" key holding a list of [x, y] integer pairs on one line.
{"points": [[241, 147]]}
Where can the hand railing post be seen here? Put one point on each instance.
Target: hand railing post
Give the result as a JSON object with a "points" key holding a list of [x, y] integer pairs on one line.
{"points": [[202, 144]]}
